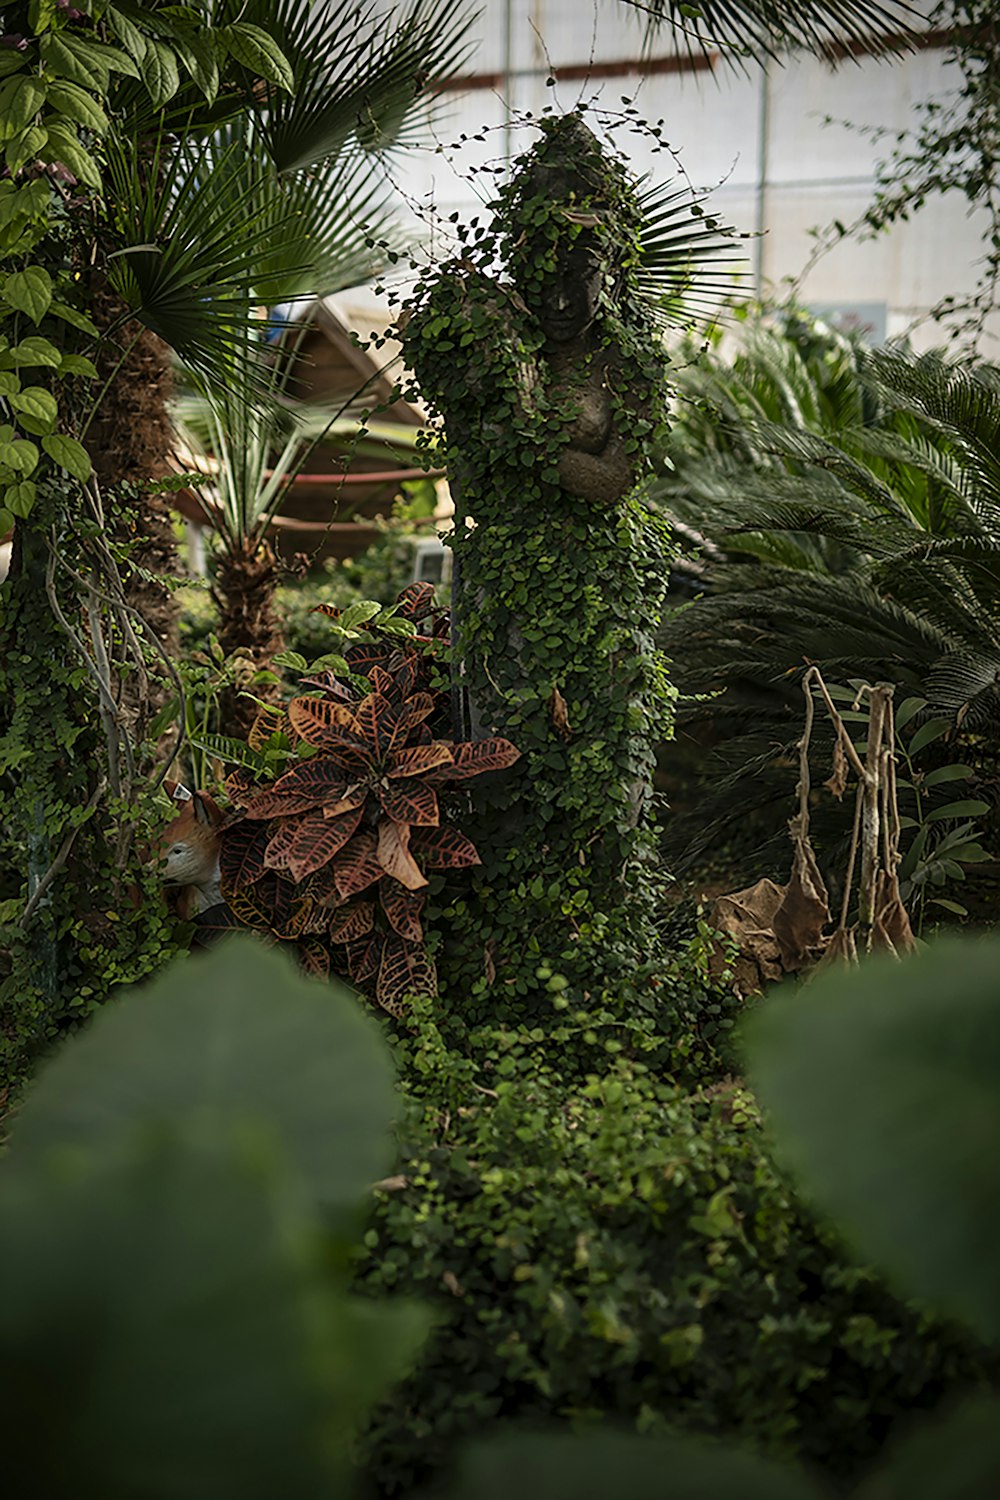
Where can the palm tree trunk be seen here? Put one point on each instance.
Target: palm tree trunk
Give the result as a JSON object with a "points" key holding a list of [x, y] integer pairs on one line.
{"points": [[130, 440], [245, 585]]}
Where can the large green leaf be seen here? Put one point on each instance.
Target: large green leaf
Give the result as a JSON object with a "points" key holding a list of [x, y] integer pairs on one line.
{"points": [[883, 1085], [956, 1457], [597, 1466], [235, 1045], [175, 1332]]}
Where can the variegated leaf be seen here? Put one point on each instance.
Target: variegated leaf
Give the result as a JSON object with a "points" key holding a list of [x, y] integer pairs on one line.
{"points": [[403, 908], [363, 956], [240, 786], [318, 720], [420, 759], [270, 720], [308, 785], [294, 924], [416, 602], [357, 866], [330, 610], [369, 713], [317, 840], [410, 802], [250, 908], [394, 854], [279, 846], [241, 856], [354, 796], [444, 849], [315, 959], [403, 717], [474, 758], [404, 970], [351, 922]]}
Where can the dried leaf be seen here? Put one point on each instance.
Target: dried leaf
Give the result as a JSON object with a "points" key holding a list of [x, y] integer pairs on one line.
{"points": [[394, 854], [804, 911], [559, 714], [891, 928], [837, 782]]}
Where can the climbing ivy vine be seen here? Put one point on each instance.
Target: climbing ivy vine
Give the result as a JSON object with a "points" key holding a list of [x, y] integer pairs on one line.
{"points": [[560, 584], [78, 912]]}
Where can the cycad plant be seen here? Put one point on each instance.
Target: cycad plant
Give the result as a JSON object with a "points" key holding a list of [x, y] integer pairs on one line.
{"points": [[847, 502]]}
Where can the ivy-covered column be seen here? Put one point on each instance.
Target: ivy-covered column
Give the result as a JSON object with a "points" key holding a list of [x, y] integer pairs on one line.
{"points": [[551, 381]]}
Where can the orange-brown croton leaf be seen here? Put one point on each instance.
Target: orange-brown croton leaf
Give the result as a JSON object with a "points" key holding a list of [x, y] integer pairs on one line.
{"points": [[297, 918], [241, 856], [282, 831], [317, 840], [270, 720], [395, 677], [410, 802], [250, 908], [350, 922], [318, 720], [416, 602], [474, 758], [356, 867], [420, 759], [330, 610], [315, 959], [312, 784], [363, 955], [403, 908], [443, 849], [240, 786], [404, 969], [401, 718], [369, 712], [354, 796], [394, 854]]}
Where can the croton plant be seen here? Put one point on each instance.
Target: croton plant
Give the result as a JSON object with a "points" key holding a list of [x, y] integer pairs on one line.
{"points": [[336, 849]]}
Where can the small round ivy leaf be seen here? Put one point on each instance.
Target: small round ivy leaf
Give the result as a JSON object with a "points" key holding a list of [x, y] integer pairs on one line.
{"points": [[29, 291]]}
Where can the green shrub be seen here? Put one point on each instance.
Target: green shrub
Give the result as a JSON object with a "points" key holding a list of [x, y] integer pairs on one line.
{"points": [[618, 1249]]}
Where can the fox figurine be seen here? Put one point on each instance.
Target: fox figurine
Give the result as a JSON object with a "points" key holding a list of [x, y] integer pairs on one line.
{"points": [[189, 851]]}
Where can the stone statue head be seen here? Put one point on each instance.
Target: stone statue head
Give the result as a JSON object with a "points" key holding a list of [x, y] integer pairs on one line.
{"points": [[560, 247]]}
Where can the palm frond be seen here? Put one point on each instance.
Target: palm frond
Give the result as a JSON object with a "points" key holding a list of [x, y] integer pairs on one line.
{"points": [[688, 259], [761, 29], [184, 268], [359, 75]]}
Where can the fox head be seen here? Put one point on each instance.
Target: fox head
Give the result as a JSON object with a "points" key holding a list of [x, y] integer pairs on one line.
{"points": [[190, 846]]}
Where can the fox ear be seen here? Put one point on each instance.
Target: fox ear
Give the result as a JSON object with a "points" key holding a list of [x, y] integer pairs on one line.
{"points": [[206, 810]]}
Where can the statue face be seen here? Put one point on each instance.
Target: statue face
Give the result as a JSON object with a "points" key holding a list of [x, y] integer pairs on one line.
{"points": [[568, 298]]}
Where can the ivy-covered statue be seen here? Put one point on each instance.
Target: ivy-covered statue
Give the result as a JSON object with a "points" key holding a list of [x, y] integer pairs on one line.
{"points": [[540, 346]]}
